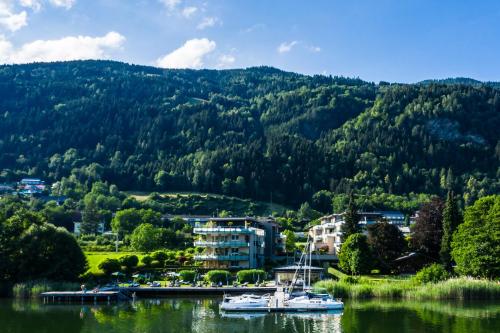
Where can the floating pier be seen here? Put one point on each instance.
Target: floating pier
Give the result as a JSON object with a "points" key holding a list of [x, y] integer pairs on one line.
{"points": [[193, 291], [83, 297], [125, 293]]}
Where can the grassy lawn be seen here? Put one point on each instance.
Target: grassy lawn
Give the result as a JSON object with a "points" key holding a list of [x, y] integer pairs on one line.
{"points": [[374, 277], [95, 258]]}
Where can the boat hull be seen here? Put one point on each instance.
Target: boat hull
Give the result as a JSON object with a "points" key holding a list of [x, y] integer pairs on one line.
{"points": [[283, 309]]}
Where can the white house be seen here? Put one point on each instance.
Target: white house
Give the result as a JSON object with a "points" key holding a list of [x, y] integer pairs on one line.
{"points": [[327, 236]]}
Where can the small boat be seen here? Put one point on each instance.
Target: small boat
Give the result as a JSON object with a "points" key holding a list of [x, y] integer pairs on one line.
{"points": [[244, 302], [314, 302], [286, 300]]}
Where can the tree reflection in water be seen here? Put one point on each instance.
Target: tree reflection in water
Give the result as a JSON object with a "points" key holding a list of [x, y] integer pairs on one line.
{"points": [[181, 315]]}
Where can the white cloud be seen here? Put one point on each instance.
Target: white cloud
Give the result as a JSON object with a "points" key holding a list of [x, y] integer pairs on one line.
{"points": [[189, 11], [63, 3], [189, 55], [171, 4], [5, 49], [314, 49], [207, 22], [254, 27], [36, 5], [67, 48], [225, 61], [287, 47], [10, 20]]}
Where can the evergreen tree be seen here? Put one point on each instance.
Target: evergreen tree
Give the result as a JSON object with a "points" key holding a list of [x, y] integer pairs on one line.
{"points": [[90, 219], [351, 218], [451, 220]]}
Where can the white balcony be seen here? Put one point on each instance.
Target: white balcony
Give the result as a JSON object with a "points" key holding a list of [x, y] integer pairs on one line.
{"points": [[221, 230], [222, 257], [203, 243]]}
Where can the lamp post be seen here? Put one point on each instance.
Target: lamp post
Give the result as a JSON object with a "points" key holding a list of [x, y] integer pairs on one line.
{"points": [[116, 238]]}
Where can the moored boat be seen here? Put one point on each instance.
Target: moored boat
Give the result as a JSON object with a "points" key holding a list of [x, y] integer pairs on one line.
{"points": [[286, 300]]}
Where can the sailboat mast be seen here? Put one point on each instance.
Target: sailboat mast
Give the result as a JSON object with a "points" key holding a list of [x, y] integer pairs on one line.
{"points": [[310, 262]]}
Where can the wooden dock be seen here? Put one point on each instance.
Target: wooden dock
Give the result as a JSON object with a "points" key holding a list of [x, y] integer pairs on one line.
{"points": [[194, 291], [127, 293], [83, 297]]}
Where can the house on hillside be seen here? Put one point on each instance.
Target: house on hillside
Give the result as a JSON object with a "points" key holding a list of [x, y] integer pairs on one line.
{"points": [[31, 186], [327, 236]]}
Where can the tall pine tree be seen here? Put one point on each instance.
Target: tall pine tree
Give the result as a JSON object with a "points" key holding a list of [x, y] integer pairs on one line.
{"points": [[90, 219], [451, 220], [351, 218]]}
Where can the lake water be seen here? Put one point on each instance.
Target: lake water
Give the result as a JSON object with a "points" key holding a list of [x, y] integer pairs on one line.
{"points": [[202, 315]]}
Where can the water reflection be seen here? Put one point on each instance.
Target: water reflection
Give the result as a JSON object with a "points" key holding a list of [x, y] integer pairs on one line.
{"points": [[202, 315]]}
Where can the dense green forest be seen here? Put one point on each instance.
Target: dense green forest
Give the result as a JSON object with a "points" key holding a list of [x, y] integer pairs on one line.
{"points": [[252, 133]]}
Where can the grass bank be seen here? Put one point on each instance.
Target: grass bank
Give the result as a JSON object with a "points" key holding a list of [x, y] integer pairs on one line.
{"points": [[95, 258], [33, 289], [457, 288]]}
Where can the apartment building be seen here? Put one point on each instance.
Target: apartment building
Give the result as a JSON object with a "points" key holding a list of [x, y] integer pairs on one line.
{"points": [[238, 242], [327, 236]]}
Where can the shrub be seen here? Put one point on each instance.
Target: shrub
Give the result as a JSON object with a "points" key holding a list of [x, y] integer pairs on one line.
{"points": [[432, 273], [217, 276], [129, 261], [88, 238], [160, 256], [147, 260], [109, 266], [251, 275], [349, 279], [187, 275]]}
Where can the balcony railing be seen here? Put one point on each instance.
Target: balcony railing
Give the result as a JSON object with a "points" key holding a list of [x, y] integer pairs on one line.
{"points": [[221, 230], [234, 243], [222, 257]]}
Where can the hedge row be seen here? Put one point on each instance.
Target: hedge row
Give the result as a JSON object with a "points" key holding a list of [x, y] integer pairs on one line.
{"points": [[251, 275]]}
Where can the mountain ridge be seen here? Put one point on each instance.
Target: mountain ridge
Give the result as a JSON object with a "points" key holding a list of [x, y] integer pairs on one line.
{"points": [[251, 132]]}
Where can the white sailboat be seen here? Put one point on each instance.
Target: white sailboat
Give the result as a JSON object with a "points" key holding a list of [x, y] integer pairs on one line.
{"points": [[246, 301], [308, 300], [286, 300]]}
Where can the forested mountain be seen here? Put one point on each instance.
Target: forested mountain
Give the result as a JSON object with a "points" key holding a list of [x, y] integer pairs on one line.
{"points": [[248, 132], [460, 81]]}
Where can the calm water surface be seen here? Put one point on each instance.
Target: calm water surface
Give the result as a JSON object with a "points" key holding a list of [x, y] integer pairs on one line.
{"points": [[202, 315]]}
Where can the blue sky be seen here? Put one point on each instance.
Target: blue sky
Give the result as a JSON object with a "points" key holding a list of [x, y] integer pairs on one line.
{"points": [[403, 41]]}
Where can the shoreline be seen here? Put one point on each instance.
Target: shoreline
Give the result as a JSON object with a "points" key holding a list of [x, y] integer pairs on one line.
{"points": [[451, 289]]}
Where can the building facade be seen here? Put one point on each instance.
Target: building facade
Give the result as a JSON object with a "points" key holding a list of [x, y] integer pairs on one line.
{"points": [[239, 242], [31, 186], [230, 247], [327, 236]]}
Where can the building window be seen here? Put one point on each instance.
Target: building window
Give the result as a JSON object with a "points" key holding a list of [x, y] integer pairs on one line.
{"points": [[235, 237], [235, 250], [235, 263]]}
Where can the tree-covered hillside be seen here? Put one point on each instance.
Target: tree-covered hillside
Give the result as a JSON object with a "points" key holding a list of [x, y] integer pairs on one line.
{"points": [[247, 133]]}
